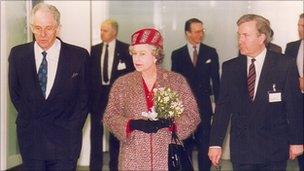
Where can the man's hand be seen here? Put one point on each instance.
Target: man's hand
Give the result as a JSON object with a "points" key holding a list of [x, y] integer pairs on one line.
{"points": [[294, 151], [215, 155], [301, 80]]}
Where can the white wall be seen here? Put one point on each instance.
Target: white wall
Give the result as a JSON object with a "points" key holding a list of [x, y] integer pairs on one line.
{"points": [[13, 32], [283, 17]]}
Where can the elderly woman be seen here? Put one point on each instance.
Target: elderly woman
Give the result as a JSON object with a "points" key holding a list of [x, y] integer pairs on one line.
{"points": [[143, 142]]}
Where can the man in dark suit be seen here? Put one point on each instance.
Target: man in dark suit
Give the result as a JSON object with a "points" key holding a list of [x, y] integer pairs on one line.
{"points": [[295, 51], [199, 64], [48, 88], [109, 60], [259, 91]]}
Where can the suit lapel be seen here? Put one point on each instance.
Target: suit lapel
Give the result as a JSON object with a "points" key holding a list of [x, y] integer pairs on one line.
{"points": [[187, 58], [97, 54], [61, 71], [266, 72], [201, 55], [116, 59], [242, 78], [33, 70]]}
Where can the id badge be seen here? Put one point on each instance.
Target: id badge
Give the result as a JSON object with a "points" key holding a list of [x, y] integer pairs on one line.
{"points": [[274, 95]]}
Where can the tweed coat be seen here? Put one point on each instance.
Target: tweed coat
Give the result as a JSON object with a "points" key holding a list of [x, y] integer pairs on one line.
{"points": [[139, 150]]}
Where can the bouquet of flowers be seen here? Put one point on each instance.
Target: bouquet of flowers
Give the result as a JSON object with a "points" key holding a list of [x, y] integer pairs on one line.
{"points": [[167, 105]]}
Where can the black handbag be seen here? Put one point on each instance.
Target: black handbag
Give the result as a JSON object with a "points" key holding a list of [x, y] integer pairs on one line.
{"points": [[178, 158]]}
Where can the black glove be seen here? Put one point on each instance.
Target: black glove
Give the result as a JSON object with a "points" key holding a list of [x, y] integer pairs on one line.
{"points": [[148, 126]]}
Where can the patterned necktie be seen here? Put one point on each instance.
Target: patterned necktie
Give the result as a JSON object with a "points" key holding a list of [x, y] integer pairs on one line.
{"points": [[42, 73], [251, 79], [195, 56], [105, 65]]}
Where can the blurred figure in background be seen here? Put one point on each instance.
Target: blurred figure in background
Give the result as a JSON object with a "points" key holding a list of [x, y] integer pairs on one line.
{"points": [[295, 50], [108, 61], [199, 64]]}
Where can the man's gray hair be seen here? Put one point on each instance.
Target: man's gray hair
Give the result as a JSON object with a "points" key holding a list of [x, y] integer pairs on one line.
{"points": [[47, 7], [262, 24], [112, 23]]}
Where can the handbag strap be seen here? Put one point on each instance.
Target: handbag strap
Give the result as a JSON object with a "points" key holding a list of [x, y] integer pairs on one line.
{"points": [[175, 138]]}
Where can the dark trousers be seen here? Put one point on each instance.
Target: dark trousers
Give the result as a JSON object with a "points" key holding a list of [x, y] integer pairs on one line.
{"points": [[114, 152], [301, 162], [301, 157], [96, 155], [49, 165], [271, 166], [200, 139]]}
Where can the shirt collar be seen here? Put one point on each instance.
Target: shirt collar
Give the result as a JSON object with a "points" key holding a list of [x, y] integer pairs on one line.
{"points": [[52, 52], [259, 58], [111, 43], [190, 46]]}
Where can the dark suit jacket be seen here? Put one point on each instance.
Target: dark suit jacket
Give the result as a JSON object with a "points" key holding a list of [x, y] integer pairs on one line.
{"points": [[203, 78], [49, 128], [98, 93], [274, 47], [260, 131], [292, 49]]}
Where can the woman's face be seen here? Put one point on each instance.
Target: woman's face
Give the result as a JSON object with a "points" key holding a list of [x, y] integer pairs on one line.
{"points": [[143, 59]]}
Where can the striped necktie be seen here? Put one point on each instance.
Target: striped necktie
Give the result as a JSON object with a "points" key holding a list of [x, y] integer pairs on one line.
{"points": [[251, 79]]}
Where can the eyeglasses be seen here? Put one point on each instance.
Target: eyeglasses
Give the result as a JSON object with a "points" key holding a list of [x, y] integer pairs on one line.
{"points": [[39, 30]]}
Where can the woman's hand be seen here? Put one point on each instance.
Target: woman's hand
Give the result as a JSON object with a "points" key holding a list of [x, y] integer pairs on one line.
{"points": [[148, 126]]}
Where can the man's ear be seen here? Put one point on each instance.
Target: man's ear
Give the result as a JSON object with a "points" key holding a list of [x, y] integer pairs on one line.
{"points": [[58, 30], [262, 38]]}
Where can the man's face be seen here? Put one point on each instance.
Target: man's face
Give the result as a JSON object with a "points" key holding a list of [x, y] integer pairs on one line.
{"points": [[45, 28], [195, 35], [250, 42], [301, 28], [107, 33]]}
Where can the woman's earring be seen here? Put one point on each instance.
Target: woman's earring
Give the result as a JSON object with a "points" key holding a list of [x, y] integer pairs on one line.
{"points": [[155, 60]]}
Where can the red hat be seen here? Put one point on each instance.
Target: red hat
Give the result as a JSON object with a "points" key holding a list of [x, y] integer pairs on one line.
{"points": [[147, 36]]}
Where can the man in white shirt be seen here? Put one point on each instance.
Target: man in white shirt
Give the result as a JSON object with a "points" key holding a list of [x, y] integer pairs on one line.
{"points": [[259, 93], [295, 50], [108, 61], [48, 88], [199, 64]]}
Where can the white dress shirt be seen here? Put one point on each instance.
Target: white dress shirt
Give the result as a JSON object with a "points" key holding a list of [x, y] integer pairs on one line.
{"points": [[300, 58], [191, 49], [111, 51], [52, 58]]}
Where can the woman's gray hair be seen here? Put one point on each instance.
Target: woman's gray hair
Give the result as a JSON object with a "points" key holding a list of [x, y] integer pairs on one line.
{"points": [[47, 7], [158, 53]]}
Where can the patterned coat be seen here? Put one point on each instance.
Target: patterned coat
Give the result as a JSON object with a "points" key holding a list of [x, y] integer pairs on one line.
{"points": [[139, 150]]}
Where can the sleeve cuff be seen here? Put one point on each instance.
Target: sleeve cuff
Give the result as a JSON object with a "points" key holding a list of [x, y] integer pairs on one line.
{"points": [[128, 129]]}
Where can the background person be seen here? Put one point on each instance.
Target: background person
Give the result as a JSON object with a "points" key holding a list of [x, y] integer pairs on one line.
{"points": [[108, 61]]}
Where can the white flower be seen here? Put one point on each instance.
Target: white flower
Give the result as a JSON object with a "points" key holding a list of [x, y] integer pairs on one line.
{"points": [[151, 115]]}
